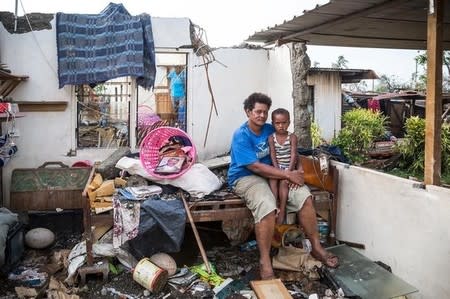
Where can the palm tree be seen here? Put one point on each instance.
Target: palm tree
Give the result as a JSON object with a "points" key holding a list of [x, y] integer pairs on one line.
{"points": [[341, 63]]}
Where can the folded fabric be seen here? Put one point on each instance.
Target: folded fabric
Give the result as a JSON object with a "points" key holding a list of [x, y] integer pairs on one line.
{"points": [[94, 48], [143, 192]]}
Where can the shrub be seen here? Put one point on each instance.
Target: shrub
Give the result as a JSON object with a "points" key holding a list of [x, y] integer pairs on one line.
{"points": [[361, 128], [412, 149], [316, 135]]}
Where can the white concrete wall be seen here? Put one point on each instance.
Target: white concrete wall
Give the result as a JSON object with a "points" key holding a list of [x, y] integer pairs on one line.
{"points": [[327, 102], [246, 71], [401, 225], [280, 80], [171, 32]]}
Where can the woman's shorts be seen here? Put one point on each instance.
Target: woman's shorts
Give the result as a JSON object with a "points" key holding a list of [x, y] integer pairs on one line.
{"points": [[258, 197]]}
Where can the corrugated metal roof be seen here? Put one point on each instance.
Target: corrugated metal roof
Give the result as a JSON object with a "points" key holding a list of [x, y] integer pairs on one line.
{"points": [[399, 95], [400, 24], [347, 75]]}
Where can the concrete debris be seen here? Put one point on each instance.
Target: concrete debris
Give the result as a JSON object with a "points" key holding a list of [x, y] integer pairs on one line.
{"points": [[24, 292]]}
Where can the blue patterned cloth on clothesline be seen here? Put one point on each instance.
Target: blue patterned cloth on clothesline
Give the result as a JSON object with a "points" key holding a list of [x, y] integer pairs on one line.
{"points": [[93, 48]]}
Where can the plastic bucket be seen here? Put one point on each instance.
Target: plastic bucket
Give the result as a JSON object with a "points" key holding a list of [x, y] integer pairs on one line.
{"points": [[150, 276], [282, 232]]}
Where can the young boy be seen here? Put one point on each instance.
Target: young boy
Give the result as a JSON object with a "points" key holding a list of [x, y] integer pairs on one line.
{"points": [[283, 152]]}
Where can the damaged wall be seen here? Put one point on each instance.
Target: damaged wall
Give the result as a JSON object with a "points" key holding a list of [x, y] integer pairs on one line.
{"points": [[38, 21], [50, 136], [400, 224], [327, 102]]}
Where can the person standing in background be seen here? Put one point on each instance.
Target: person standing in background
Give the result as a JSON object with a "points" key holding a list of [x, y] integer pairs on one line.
{"points": [[177, 77]]}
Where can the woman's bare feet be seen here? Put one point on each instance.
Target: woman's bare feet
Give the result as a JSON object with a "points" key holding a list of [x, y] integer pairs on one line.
{"points": [[327, 258]]}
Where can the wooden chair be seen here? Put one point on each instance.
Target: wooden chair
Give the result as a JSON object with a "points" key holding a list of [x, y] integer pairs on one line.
{"points": [[319, 182]]}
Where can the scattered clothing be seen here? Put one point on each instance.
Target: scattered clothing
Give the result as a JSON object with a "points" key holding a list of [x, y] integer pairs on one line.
{"points": [[177, 84], [373, 105], [7, 220], [141, 192], [126, 221]]}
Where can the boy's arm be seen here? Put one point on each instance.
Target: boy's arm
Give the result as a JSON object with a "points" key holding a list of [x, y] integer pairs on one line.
{"points": [[273, 155]]}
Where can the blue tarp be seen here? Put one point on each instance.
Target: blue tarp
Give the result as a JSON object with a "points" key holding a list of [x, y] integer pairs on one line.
{"points": [[93, 48]]}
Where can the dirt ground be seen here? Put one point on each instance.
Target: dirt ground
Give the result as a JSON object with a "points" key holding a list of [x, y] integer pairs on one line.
{"points": [[229, 261]]}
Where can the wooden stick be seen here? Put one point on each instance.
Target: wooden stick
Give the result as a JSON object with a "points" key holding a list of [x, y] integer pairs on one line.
{"points": [[197, 237]]}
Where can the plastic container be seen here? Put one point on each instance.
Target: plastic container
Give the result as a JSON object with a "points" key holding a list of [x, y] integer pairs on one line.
{"points": [[150, 276], [250, 245], [323, 228]]}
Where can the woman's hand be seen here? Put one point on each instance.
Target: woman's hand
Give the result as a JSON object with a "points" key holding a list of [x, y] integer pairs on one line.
{"points": [[295, 178]]}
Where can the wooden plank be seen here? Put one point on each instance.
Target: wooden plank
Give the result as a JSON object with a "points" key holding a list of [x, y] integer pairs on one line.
{"points": [[269, 289], [46, 200], [231, 201], [102, 219], [433, 108], [99, 231], [43, 106], [220, 215]]}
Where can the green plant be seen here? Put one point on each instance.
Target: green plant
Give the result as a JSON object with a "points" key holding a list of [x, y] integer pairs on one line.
{"points": [[361, 128], [412, 149], [316, 135], [445, 145]]}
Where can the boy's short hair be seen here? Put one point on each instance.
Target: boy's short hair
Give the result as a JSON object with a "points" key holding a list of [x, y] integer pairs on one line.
{"points": [[257, 97], [281, 111]]}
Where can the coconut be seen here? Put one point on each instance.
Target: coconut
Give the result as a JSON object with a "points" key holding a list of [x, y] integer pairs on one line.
{"points": [[164, 261], [39, 238]]}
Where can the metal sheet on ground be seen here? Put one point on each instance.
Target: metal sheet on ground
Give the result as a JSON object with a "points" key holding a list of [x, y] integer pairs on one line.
{"points": [[357, 275]]}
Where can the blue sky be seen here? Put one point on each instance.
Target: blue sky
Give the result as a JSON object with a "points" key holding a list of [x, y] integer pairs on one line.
{"points": [[228, 23]]}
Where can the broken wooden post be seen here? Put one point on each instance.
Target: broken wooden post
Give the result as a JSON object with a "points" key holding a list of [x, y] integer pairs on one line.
{"points": [[197, 236]]}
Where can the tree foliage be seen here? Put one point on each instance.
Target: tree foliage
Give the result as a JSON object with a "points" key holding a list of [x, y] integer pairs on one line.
{"points": [[341, 63], [391, 84], [421, 79]]}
